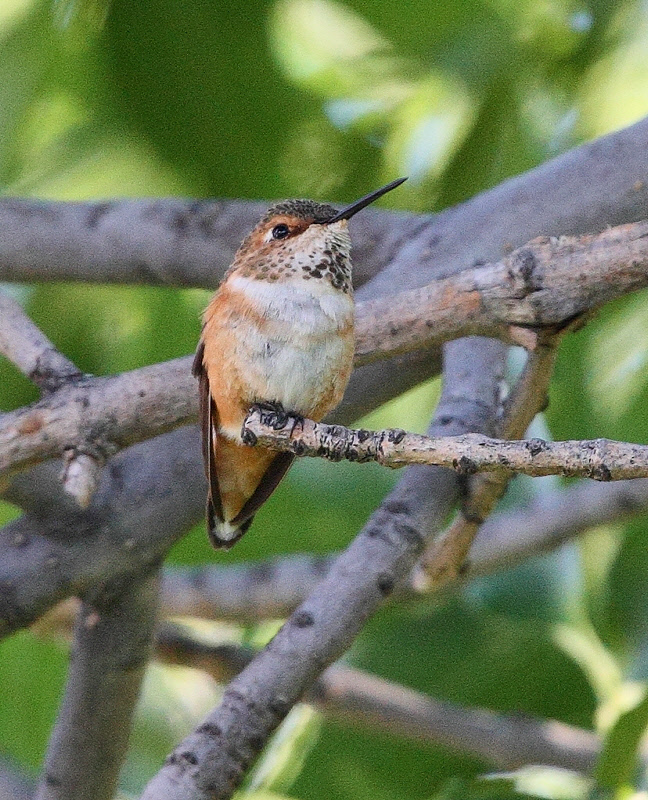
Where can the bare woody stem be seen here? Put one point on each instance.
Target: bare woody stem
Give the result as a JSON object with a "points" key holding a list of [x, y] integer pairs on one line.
{"points": [[30, 350], [600, 459], [445, 556]]}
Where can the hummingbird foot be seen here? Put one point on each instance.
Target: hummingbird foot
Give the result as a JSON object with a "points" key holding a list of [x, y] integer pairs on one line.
{"points": [[275, 415]]}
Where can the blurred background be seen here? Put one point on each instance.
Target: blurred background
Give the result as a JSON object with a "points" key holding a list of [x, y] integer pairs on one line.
{"points": [[326, 99]]}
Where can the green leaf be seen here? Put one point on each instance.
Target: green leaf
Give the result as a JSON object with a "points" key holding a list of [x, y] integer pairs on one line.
{"points": [[618, 760], [553, 783]]}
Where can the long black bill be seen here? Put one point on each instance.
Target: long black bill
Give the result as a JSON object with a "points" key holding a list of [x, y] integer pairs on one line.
{"points": [[349, 211]]}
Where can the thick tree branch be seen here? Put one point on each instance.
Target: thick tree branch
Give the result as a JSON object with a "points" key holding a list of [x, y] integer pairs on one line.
{"points": [[13, 784], [112, 645], [99, 416], [169, 242], [149, 496], [271, 589], [545, 284], [189, 243]]}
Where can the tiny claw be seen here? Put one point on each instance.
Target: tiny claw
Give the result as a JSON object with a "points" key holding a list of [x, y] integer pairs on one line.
{"points": [[272, 414]]}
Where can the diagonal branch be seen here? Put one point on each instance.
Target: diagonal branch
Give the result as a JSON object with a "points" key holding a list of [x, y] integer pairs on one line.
{"points": [[361, 699], [545, 284], [445, 557], [30, 350]]}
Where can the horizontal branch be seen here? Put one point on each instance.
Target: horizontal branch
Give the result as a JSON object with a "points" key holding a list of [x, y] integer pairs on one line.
{"points": [[600, 459], [168, 242], [99, 416]]}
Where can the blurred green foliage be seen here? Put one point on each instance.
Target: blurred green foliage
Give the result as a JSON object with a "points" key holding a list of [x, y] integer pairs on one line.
{"points": [[267, 98]]}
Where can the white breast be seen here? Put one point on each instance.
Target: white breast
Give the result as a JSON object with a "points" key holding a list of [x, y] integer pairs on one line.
{"points": [[305, 345]]}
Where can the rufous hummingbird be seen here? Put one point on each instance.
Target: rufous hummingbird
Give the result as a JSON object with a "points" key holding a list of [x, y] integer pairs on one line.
{"points": [[278, 331]]}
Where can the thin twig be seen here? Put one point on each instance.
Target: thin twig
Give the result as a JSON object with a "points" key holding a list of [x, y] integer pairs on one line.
{"points": [[30, 350], [444, 558]]}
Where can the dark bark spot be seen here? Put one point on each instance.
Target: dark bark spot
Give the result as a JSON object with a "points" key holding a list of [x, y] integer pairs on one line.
{"points": [[303, 619], [395, 435], [189, 757], [409, 533], [210, 729], [385, 584], [52, 780], [279, 706], [527, 263], [465, 466], [261, 572], [601, 473], [396, 507], [97, 211], [363, 435], [535, 446]]}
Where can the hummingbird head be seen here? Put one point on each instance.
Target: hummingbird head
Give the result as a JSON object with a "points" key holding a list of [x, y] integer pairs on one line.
{"points": [[303, 239]]}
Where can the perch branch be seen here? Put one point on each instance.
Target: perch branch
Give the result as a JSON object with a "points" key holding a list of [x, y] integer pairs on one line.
{"points": [[561, 280], [600, 459], [98, 416]]}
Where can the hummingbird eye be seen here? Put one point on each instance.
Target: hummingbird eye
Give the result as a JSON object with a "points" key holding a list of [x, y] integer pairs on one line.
{"points": [[280, 231]]}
